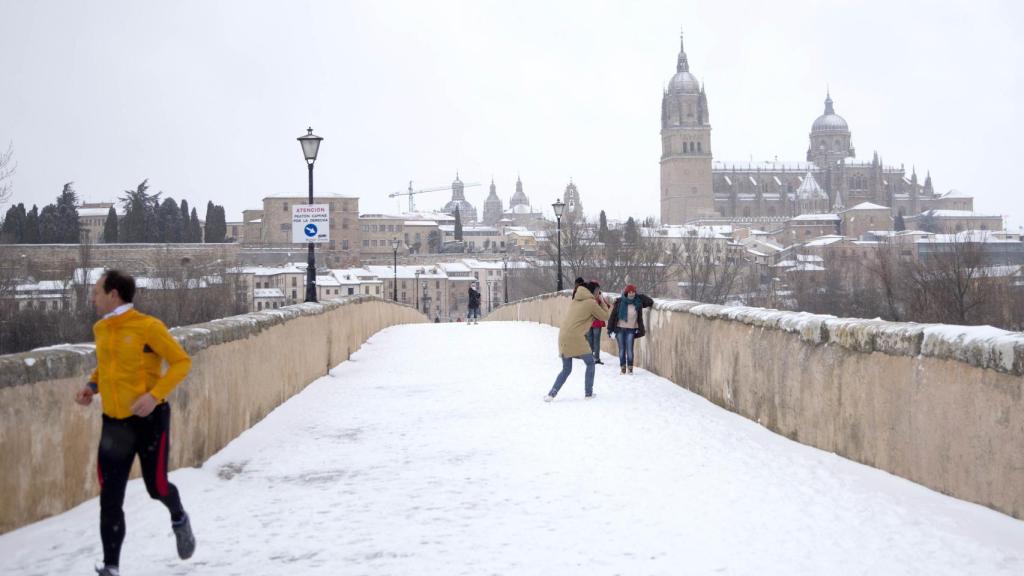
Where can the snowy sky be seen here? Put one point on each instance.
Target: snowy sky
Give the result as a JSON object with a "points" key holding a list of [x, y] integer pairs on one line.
{"points": [[206, 98]]}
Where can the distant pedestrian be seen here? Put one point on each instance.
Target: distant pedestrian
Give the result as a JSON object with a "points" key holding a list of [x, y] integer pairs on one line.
{"points": [[131, 348], [594, 334], [626, 324], [473, 317], [572, 340]]}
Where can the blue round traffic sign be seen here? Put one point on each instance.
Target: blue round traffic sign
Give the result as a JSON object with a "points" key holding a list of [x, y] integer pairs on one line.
{"points": [[310, 230]]}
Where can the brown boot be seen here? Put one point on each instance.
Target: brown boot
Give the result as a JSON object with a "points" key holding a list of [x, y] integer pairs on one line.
{"points": [[629, 368], [622, 369]]}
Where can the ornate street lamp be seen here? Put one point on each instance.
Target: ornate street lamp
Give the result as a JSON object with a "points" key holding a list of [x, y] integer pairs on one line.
{"points": [[394, 291], [558, 207], [310, 146]]}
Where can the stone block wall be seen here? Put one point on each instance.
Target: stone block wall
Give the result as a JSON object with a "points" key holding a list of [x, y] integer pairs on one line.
{"points": [[243, 367], [940, 405]]}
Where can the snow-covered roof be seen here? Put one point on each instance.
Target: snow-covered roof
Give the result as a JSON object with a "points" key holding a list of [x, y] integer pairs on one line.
{"points": [[92, 212], [824, 241], [768, 166], [454, 267], [317, 196], [429, 223], [267, 293], [959, 214], [805, 267], [809, 258], [867, 206], [815, 217]]}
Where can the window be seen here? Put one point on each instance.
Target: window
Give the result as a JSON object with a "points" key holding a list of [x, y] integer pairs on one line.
{"points": [[344, 244], [293, 295], [294, 281], [378, 289], [259, 306], [698, 147], [366, 243], [350, 291], [284, 207]]}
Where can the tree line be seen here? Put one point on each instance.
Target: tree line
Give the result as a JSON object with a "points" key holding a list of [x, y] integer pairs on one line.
{"points": [[147, 219]]}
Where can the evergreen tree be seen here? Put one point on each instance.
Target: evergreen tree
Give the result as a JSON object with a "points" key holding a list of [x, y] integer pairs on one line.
{"points": [[68, 226], [137, 203], [185, 220], [216, 226], [169, 217], [13, 230], [195, 230], [602, 230], [49, 233], [899, 225], [31, 233], [631, 235], [458, 226], [110, 227]]}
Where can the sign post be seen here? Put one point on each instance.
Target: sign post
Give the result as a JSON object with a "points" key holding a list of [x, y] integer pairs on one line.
{"points": [[311, 224]]}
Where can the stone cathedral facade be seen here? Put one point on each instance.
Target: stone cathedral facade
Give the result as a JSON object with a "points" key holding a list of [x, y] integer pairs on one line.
{"points": [[694, 186]]}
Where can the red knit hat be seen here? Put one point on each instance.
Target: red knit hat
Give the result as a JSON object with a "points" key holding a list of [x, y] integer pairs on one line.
{"points": [[629, 288]]}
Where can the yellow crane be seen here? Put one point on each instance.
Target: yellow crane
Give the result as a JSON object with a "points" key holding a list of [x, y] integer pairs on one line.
{"points": [[412, 193]]}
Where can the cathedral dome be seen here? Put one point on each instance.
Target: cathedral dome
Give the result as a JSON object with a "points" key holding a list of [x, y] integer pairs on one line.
{"points": [[685, 83], [830, 121]]}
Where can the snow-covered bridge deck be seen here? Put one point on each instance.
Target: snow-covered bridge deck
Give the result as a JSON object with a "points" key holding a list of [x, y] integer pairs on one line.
{"points": [[431, 452]]}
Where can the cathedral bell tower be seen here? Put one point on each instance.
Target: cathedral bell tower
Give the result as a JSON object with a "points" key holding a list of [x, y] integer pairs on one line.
{"points": [[686, 192]]}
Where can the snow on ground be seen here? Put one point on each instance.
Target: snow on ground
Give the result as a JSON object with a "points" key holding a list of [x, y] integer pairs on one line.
{"points": [[432, 453]]}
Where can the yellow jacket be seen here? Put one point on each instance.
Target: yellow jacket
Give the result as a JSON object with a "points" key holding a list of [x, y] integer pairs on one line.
{"points": [[130, 350]]}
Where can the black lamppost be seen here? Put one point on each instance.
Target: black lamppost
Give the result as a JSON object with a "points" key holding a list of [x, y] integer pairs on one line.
{"points": [[394, 291], [558, 206], [504, 275], [416, 286], [310, 146]]}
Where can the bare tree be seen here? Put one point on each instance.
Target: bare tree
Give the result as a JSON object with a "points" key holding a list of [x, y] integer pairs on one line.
{"points": [[951, 277], [7, 169], [710, 270]]}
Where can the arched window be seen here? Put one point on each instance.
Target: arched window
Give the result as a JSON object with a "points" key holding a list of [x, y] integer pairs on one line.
{"points": [[693, 147], [698, 147]]}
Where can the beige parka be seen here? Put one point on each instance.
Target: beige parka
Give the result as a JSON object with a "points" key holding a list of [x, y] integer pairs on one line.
{"points": [[572, 336]]}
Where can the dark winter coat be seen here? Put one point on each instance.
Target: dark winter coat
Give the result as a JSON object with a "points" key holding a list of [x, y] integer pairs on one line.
{"points": [[641, 301], [474, 298]]}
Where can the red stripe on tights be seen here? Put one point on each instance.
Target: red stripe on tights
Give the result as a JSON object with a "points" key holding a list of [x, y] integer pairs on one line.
{"points": [[161, 467]]}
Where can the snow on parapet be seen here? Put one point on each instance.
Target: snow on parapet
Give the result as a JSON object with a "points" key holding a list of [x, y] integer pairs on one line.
{"points": [[981, 346]]}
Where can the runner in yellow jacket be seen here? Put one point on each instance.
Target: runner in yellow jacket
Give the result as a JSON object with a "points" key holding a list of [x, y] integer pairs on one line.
{"points": [[130, 350]]}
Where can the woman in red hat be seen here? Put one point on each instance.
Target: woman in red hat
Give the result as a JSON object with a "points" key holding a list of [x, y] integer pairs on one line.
{"points": [[626, 324]]}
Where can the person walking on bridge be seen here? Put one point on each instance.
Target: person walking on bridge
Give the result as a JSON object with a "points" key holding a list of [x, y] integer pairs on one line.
{"points": [[130, 350], [627, 324], [572, 337], [473, 317]]}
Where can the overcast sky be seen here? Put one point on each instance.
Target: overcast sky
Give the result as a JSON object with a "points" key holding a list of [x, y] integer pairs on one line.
{"points": [[206, 98]]}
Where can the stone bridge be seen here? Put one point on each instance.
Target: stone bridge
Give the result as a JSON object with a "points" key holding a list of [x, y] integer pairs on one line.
{"points": [[354, 437]]}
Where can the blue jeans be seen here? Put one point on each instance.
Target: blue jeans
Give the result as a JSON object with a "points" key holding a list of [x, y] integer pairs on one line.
{"points": [[473, 313], [625, 338], [588, 378], [594, 337]]}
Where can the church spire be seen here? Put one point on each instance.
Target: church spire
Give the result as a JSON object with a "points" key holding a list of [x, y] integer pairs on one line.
{"points": [[828, 102], [682, 65]]}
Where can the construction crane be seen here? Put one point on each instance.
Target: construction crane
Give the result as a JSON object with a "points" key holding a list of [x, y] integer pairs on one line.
{"points": [[412, 193]]}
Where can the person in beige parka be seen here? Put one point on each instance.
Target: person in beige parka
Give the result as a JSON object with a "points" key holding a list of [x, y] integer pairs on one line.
{"points": [[572, 337]]}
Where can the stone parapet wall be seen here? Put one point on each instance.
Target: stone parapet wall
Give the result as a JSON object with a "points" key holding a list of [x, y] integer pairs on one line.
{"points": [[940, 405], [243, 367], [57, 260]]}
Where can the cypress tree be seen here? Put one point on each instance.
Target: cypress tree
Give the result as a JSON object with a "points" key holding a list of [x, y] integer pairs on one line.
{"points": [[195, 230], [110, 227], [458, 226], [49, 232], [31, 233], [68, 225]]}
